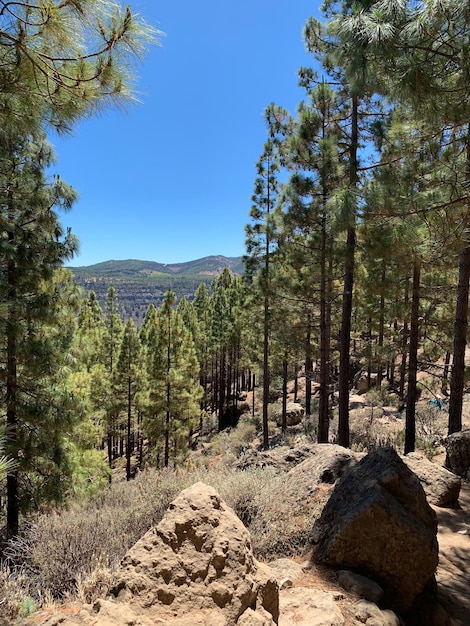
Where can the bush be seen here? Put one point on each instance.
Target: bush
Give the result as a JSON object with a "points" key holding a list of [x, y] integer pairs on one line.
{"points": [[60, 550]]}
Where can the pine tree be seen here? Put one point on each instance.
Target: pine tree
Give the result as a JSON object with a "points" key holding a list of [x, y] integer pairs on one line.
{"points": [[128, 383], [173, 378], [416, 52], [63, 59], [202, 304], [32, 247], [112, 338], [313, 152], [260, 242]]}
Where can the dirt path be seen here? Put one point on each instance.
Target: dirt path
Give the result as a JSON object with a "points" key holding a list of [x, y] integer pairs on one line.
{"points": [[453, 572]]}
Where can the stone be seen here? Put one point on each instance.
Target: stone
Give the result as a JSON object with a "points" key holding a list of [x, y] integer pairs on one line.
{"points": [[294, 414], [281, 457], [286, 572], [442, 487], [369, 614], [198, 558], [311, 607], [360, 585], [378, 522], [458, 453]]}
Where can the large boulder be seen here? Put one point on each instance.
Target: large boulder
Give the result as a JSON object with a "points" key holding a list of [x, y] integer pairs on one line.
{"points": [[458, 453], [442, 488], [294, 414], [378, 522], [301, 494], [198, 561], [281, 458]]}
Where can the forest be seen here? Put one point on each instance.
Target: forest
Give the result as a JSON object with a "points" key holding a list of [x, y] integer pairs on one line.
{"points": [[357, 251]]}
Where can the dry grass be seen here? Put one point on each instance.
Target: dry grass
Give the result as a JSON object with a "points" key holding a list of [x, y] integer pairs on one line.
{"points": [[72, 553]]}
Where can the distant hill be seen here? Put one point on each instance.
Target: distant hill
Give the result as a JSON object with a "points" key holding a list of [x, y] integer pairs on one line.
{"points": [[139, 283]]}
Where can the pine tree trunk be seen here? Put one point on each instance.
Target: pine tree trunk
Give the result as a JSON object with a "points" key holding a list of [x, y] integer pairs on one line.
{"points": [[308, 366], [323, 404], [381, 330], [285, 374], [129, 415], [457, 379], [222, 390], [13, 500], [345, 333], [404, 343], [166, 459], [412, 396], [266, 372], [345, 340], [445, 375], [296, 382]]}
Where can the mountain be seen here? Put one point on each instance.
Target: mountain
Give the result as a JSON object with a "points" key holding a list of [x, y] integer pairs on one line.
{"points": [[139, 283], [207, 266]]}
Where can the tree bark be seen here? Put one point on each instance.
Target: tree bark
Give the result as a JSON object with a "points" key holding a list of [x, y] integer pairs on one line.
{"points": [[457, 379], [345, 333], [412, 395]]}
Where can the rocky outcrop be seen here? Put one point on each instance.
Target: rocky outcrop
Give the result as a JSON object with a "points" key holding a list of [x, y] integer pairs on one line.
{"points": [[281, 457], [378, 522], [442, 488], [198, 562], [458, 453]]}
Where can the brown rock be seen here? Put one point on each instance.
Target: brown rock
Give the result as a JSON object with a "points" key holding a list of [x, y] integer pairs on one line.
{"points": [[458, 453], [198, 558], [442, 488], [294, 414], [360, 585], [378, 522], [368, 613], [312, 607]]}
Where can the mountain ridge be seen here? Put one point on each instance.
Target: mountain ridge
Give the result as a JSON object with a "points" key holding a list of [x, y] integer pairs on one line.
{"points": [[208, 265], [140, 283]]}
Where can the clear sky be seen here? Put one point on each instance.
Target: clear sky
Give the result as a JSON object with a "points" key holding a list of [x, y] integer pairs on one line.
{"points": [[171, 179]]}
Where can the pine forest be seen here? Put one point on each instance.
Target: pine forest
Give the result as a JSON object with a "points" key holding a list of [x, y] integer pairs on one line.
{"points": [[357, 265]]}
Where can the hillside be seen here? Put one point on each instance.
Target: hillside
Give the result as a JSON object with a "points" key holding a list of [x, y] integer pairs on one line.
{"points": [[139, 283]]}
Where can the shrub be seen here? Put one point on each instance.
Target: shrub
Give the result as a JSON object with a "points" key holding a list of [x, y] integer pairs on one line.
{"points": [[61, 550]]}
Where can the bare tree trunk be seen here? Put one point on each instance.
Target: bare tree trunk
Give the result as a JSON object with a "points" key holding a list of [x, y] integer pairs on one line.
{"points": [[412, 395], [345, 334]]}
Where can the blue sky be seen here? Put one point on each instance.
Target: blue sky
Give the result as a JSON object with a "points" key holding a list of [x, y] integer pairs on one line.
{"points": [[170, 179]]}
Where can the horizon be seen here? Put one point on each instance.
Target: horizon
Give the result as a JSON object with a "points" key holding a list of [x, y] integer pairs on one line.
{"points": [[207, 256]]}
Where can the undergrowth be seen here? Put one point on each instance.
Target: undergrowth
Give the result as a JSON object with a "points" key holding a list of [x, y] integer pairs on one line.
{"points": [[72, 553]]}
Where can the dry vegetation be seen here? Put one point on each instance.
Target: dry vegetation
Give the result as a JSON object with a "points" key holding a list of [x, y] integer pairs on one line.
{"points": [[71, 554]]}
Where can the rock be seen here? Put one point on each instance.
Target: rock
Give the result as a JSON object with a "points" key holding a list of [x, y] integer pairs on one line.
{"points": [[368, 613], [360, 585], [312, 607], [282, 457], [378, 522], [286, 572], [198, 558], [294, 414], [442, 488], [458, 453], [361, 381], [327, 463]]}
